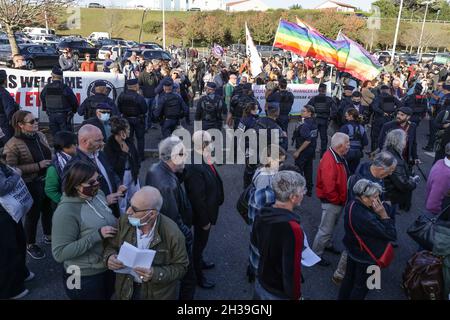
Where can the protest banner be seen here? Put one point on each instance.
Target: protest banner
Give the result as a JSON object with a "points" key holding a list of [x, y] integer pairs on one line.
{"points": [[25, 87], [302, 94]]}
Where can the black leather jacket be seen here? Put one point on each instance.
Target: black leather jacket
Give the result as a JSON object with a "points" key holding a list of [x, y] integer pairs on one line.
{"points": [[175, 201]]}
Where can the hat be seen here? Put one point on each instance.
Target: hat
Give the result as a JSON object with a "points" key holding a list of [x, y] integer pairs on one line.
{"points": [[446, 87], [132, 82], [211, 85], [322, 86], [351, 88], [167, 82], [406, 110], [3, 75], [100, 83], [384, 87], [57, 71], [103, 106], [356, 94]]}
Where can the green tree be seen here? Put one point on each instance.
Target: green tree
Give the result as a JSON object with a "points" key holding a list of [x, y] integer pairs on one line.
{"points": [[295, 7], [152, 27]]}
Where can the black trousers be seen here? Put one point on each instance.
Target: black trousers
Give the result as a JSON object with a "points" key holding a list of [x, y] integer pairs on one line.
{"points": [[201, 237], [305, 163], [322, 126], [137, 127], [41, 209], [13, 270], [189, 281], [354, 285], [96, 287]]}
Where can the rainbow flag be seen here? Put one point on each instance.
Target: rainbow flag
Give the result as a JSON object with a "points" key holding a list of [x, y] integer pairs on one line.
{"points": [[356, 60], [293, 38]]}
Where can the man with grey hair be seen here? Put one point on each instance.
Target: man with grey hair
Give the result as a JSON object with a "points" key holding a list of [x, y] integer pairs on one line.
{"points": [[145, 228], [382, 166], [279, 238], [167, 177], [331, 189]]}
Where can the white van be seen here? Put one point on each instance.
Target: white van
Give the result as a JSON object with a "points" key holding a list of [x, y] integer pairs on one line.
{"points": [[97, 35], [38, 31]]}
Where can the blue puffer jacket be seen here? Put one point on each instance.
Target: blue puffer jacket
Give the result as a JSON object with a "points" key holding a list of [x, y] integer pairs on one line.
{"points": [[374, 232]]}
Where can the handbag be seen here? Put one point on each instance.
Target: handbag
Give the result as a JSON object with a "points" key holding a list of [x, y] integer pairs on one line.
{"points": [[422, 230], [388, 254], [242, 203], [18, 202]]}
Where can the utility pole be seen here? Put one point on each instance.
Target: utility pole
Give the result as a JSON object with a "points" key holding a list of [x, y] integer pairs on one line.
{"points": [[396, 30], [426, 3], [164, 23], [142, 24]]}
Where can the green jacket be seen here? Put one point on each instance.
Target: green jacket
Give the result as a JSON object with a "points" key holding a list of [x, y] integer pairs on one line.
{"points": [[441, 248], [227, 93], [76, 239], [53, 185], [169, 265]]}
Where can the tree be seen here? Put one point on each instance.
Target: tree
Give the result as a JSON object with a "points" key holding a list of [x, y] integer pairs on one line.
{"points": [[194, 25], [295, 7], [387, 8], [16, 14], [152, 27], [176, 28]]}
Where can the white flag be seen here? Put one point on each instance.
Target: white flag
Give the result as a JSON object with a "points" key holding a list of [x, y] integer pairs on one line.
{"points": [[255, 60]]}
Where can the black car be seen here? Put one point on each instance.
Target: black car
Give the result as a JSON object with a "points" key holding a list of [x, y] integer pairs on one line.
{"points": [[79, 48], [36, 56]]}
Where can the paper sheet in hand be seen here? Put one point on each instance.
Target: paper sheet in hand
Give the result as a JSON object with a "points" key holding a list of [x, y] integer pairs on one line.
{"points": [[133, 257], [309, 258]]}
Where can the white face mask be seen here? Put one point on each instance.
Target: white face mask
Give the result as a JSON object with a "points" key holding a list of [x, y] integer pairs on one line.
{"points": [[105, 117]]}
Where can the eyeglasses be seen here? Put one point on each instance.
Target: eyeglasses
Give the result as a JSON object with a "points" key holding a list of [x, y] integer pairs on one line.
{"points": [[104, 111], [32, 121], [144, 210]]}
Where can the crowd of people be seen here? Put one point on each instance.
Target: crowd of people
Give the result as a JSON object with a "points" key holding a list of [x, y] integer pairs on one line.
{"points": [[85, 185]]}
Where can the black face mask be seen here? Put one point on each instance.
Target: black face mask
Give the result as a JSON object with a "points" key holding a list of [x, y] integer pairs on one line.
{"points": [[91, 191]]}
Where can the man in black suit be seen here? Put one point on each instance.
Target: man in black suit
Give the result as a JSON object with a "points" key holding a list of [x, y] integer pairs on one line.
{"points": [[205, 191], [101, 119], [90, 142]]}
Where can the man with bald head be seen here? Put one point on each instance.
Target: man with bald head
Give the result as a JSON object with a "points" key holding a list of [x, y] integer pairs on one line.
{"points": [[90, 146], [205, 191], [144, 227]]}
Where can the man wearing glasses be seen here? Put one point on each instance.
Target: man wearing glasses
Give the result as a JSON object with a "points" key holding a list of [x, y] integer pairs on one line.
{"points": [[67, 62], [60, 103], [144, 227]]}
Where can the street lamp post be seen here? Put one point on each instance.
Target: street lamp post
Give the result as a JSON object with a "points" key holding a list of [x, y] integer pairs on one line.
{"points": [[142, 23], [164, 23], [396, 30], [426, 3]]}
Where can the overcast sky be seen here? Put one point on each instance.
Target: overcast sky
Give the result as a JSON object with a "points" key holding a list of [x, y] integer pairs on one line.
{"points": [[307, 4]]}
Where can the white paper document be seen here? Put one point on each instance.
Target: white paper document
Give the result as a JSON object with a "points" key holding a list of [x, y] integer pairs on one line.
{"points": [[133, 257], [309, 258]]}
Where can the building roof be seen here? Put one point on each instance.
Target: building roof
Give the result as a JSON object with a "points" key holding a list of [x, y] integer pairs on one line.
{"points": [[230, 4], [339, 4]]}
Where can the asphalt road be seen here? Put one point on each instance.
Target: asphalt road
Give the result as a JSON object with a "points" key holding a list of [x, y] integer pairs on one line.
{"points": [[228, 245]]}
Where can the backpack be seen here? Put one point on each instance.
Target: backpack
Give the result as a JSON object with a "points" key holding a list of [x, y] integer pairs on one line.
{"points": [[423, 278]]}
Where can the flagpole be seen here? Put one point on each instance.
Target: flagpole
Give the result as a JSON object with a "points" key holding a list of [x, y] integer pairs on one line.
{"points": [[273, 45]]}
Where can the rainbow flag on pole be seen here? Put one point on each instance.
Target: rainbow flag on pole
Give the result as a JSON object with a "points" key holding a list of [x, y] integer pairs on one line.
{"points": [[293, 38]]}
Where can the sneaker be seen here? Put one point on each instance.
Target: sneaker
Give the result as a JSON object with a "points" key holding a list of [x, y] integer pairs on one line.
{"points": [[47, 239], [35, 252], [30, 276], [21, 295]]}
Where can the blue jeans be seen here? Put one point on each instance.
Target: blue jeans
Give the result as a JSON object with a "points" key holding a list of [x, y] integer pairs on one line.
{"points": [[169, 126], [96, 287], [59, 122], [149, 118]]}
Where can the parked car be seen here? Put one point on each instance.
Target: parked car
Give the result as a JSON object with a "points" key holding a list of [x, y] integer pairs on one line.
{"points": [[36, 56], [409, 58], [115, 51], [151, 43], [95, 5], [269, 51], [147, 54], [148, 46], [79, 48], [38, 31], [427, 57], [442, 58], [44, 39], [99, 35]]}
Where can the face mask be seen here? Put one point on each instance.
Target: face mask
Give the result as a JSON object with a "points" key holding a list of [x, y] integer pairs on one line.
{"points": [[91, 191], [136, 222], [105, 117]]}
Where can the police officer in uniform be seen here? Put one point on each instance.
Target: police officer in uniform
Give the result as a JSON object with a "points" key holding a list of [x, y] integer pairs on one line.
{"points": [[344, 103], [210, 108], [238, 103], [60, 103], [325, 109], [384, 107], [7, 108], [133, 107], [305, 138], [418, 104], [170, 108], [286, 99], [89, 106]]}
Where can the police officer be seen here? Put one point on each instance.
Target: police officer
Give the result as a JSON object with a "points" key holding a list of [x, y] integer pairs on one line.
{"points": [[344, 103], [88, 108], [358, 138], [133, 107], [238, 103], [286, 99], [384, 107], [270, 124], [60, 103], [305, 138], [7, 108], [418, 104], [170, 108], [210, 108], [325, 109]]}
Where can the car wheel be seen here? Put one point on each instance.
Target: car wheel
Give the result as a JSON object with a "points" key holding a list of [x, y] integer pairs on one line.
{"points": [[30, 64]]}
